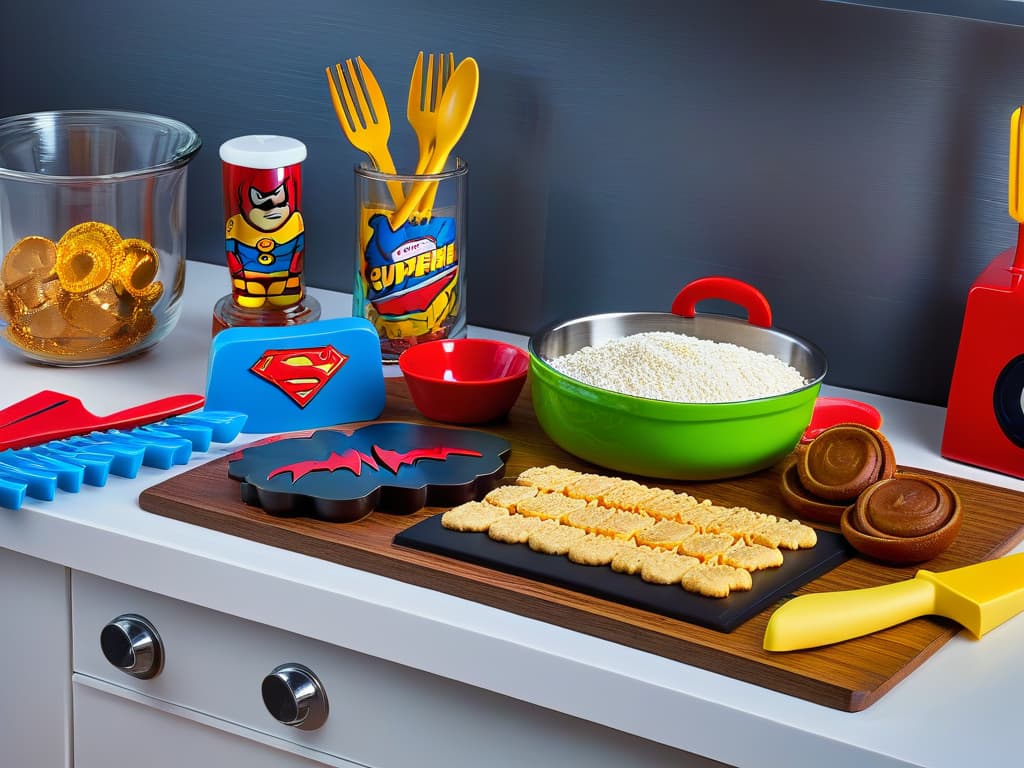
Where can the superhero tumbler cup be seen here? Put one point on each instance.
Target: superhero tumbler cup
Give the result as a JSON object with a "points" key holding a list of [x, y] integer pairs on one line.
{"points": [[264, 235], [410, 280]]}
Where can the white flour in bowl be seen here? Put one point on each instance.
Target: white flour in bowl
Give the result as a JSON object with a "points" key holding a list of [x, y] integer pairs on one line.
{"points": [[672, 366]]}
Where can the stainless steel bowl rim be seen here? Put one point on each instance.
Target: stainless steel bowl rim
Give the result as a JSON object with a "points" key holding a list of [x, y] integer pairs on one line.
{"points": [[538, 359]]}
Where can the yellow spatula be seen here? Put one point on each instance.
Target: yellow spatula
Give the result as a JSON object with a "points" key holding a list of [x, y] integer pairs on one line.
{"points": [[1016, 196], [980, 596]]}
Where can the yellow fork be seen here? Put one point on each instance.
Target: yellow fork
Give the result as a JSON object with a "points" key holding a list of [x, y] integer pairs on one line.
{"points": [[424, 96], [363, 114]]}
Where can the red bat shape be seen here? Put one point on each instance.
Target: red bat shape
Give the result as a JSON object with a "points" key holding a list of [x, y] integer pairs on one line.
{"points": [[351, 459], [393, 460]]}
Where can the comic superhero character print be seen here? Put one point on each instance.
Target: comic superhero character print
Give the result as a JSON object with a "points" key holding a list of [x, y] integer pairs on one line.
{"points": [[265, 238], [410, 276]]}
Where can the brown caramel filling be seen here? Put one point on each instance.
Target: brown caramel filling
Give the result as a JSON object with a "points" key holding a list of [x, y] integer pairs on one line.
{"points": [[907, 506], [844, 460], [905, 519]]}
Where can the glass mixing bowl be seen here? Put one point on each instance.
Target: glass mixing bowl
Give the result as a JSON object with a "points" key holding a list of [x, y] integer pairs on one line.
{"points": [[92, 232]]}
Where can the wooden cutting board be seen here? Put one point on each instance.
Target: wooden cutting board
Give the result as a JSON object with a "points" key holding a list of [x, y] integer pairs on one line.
{"points": [[848, 676]]}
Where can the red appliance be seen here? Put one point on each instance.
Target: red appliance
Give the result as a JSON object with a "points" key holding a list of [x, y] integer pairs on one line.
{"points": [[985, 412]]}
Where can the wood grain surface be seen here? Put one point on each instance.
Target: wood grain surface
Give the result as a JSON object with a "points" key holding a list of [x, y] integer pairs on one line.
{"points": [[848, 676]]}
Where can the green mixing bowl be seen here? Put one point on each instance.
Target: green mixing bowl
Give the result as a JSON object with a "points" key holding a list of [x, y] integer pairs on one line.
{"points": [[677, 441]]}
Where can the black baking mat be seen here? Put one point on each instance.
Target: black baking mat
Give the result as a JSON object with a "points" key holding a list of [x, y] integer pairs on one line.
{"points": [[722, 614]]}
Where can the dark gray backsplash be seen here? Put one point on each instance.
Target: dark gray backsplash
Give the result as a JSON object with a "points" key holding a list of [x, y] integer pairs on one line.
{"points": [[848, 161]]}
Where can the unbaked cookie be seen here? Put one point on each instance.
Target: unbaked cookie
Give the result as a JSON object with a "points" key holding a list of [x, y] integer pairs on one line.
{"points": [[751, 557], [787, 534], [550, 479], [590, 486], [624, 525], [593, 549], [549, 506], [588, 517], [508, 496], [665, 567], [515, 529], [706, 546], [628, 560], [553, 539], [472, 516], [716, 580], [665, 534]]}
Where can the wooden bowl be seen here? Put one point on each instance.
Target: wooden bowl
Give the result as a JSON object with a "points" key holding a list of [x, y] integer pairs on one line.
{"points": [[806, 504]]}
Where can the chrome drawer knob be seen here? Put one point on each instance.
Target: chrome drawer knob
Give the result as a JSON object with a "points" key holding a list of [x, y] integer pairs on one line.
{"points": [[295, 696], [132, 645]]}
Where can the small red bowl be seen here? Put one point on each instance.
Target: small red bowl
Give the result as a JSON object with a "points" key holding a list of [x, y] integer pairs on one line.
{"points": [[464, 381]]}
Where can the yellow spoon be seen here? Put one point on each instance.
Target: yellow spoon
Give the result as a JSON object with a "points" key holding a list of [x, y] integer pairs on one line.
{"points": [[1016, 196], [453, 115]]}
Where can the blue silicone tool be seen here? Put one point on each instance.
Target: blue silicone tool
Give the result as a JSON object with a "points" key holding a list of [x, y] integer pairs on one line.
{"points": [[225, 425], [38, 471], [288, 378], [40, 484], [125, 460], [69, 476], [95, 466], [12, 492], [159, 452], [198, 436]]}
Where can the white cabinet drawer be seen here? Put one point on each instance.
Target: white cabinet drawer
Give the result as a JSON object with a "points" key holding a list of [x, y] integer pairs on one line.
{"points": [[380, 713], [35, 662], [116, 726]]}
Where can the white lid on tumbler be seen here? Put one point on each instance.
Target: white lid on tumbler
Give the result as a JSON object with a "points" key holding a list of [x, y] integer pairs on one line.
{"points": [[262, 151]]}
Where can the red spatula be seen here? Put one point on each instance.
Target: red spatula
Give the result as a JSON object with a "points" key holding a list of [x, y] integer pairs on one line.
{"points": [[830, 411], [51, 415]]}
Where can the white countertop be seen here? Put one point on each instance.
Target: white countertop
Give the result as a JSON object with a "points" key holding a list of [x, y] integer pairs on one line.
{"points": [[959, 708]]}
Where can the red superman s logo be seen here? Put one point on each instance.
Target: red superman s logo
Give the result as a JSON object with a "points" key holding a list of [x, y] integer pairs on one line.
{"points": [[299, 373]]}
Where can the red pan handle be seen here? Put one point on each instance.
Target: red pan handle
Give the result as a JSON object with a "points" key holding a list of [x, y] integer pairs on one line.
{"points": [[730, 289]]}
